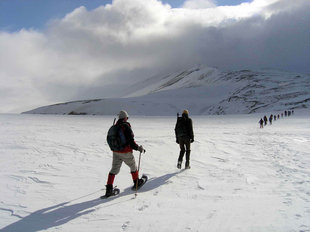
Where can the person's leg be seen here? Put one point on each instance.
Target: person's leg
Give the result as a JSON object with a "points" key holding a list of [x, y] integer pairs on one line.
{"points": [[129, 160], [182, 149], [188, 152], [116, 166], [182, 152], [116, 163]]}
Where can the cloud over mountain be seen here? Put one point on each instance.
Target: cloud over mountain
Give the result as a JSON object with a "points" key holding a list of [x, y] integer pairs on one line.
{"points": [[81, 55]]}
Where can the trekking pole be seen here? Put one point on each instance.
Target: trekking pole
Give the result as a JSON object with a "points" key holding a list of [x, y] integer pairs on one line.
{"points": [[138, 173]]}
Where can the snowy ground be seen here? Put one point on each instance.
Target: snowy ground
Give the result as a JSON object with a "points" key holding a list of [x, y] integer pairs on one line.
{"points": [[53, 170]]}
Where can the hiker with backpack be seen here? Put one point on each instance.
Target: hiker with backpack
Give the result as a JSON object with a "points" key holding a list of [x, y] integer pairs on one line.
{"points": [[270, 119], [261, 123], [265, 120], [121, 141], [184, 137]]}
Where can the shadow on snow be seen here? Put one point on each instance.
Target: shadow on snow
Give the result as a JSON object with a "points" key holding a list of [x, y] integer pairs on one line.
{"points": [[60, 214], [156, 182]]}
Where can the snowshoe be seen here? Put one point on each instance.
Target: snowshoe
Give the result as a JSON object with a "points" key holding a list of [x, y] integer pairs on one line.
{"points": [[110, 191], [187, 166], [179, 164], [141, 182]]}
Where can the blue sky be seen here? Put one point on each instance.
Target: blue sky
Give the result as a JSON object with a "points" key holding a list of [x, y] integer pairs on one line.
{"points": [[18, 14]]}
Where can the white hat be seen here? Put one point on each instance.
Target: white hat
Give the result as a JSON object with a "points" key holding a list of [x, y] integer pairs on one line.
{"points": [[122, 114]]}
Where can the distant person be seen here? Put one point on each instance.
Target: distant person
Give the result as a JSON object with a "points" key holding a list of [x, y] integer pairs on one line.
{"points": [[285, 113], [281, 115], [261, 123], [265, 120], [275, 117], [289, 113], [278, 116], [270, 119], [124, 154], [184, 137]]}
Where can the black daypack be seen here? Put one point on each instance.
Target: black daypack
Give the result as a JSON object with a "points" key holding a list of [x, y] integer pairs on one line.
{"points": [[180, 127], [116, 138]]}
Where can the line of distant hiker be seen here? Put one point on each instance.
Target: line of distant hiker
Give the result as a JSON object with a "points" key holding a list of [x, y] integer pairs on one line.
{"points": [[264, 121]]}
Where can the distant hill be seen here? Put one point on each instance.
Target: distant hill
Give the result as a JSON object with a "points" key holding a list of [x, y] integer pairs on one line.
{"points": [[202, 90]]}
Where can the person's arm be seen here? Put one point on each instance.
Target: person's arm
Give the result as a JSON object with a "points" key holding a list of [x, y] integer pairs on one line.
{"points": [[191, 130], [175, 132], [130, 136]]}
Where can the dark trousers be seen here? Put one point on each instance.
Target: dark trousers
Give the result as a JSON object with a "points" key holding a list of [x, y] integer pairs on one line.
{"points": [[185, 146]]}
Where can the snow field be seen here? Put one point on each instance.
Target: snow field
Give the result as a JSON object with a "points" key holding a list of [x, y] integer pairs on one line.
{"points": [[53, 169]]}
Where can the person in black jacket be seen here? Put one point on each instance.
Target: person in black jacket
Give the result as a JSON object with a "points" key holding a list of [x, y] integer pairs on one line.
{"points": [[265, 120], [184, 137], [261, 123]]}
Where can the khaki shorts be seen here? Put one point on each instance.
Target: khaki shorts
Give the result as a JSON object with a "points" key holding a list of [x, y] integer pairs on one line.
{"points": [[118, 159]]}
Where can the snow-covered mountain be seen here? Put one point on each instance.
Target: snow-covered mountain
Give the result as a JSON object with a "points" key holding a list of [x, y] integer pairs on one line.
{"points": [[202, 90]]}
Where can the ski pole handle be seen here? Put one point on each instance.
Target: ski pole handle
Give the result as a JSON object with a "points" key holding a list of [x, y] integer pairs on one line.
{"points": [[139, 161], [141, 149]]}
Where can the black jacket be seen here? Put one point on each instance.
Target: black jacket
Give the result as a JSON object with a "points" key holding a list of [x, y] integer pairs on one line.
{"points": [[126, 127], [184, 127]]}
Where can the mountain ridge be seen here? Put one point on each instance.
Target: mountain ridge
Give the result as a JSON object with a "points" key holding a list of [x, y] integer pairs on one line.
{"points": [[201, 89]]}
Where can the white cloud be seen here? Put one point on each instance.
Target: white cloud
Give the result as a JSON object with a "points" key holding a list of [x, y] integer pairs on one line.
{"points": [[80, 55], [199, 4]]}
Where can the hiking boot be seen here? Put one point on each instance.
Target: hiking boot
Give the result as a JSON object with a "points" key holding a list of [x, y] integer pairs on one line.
{"points": [[187, 165], [140, 182], [179, 164], [109, 190]]}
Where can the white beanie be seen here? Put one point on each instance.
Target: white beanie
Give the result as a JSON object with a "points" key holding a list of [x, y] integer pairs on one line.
{"points": [[122, 114]]}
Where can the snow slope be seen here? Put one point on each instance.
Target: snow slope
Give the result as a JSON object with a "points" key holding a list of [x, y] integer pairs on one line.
{"points": [[53, 168], [202, 90]]}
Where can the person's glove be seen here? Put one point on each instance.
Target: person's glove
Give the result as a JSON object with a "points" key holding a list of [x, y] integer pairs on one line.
{"points": [[191, 140], [177, 141], [141, 149]]}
